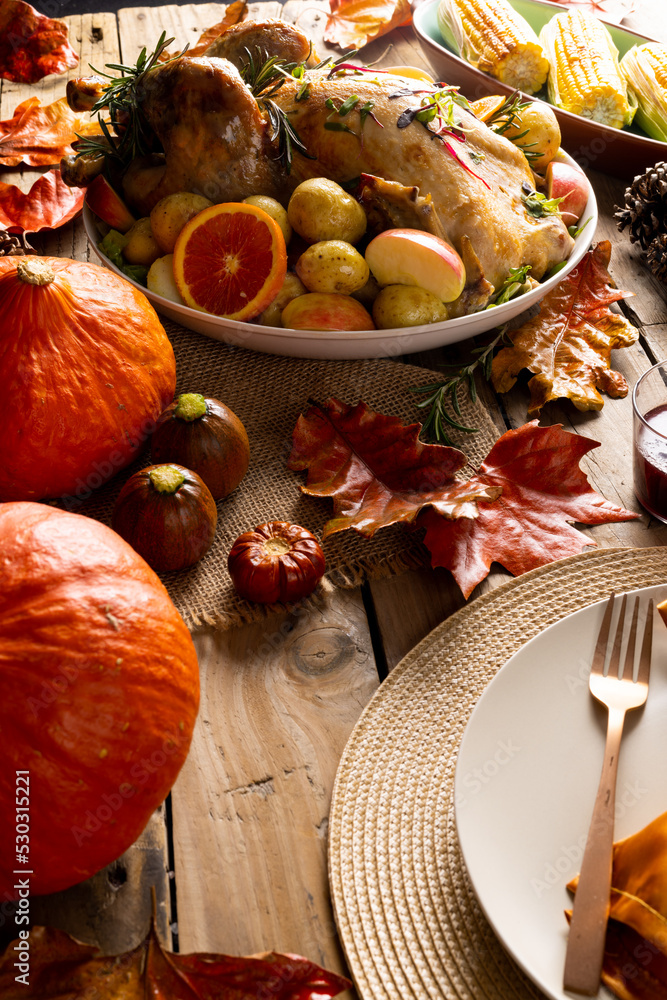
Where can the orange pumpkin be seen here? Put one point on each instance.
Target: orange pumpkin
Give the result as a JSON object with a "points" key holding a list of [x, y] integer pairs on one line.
{"points": [[100, 690], [86, 369]]}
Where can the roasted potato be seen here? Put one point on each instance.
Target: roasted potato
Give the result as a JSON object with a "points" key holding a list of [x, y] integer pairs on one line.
{"points": [[141, 247], [320, 209], [170, 215], [291, 288], [332, 266], [274, 209], [407, 305]]}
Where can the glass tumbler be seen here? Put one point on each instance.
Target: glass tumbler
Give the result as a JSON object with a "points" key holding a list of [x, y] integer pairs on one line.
{"points": [[649, 438]]}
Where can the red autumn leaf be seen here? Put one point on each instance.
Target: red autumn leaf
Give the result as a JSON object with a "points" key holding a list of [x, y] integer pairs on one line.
{"points": [[376, 468], [41, 134], [61, 967], [31, 45], [569, 343], [353, 23], [530, 524], [234, 12], [50, 203]]}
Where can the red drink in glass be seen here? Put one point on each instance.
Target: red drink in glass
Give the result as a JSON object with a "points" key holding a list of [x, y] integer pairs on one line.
{"points": [[650, 461]]}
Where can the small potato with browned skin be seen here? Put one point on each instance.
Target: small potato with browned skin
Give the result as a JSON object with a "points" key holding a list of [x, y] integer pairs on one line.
{"points": [[141, 247], [332, 266], [170, 215], [407, 305], [292, 287], [320, 209]]}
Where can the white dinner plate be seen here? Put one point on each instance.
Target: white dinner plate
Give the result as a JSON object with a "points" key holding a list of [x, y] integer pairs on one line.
{"points": [[345, 344], [526, 777]]}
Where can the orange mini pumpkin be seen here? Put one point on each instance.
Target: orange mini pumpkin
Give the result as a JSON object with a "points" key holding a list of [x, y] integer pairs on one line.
{"points": [[100, 690], [86, 369]]}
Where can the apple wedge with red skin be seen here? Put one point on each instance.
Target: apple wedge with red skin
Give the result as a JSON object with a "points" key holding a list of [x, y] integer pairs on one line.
{"points": [[413, 257], [326, 311], [108, 206], [571, 184]]}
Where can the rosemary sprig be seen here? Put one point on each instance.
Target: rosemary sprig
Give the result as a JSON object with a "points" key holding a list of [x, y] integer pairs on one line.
{"points": [[134, 136], [443, 397], [508, 116]]}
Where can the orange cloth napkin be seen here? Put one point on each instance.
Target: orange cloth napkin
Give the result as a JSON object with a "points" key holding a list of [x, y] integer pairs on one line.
{"points": [[635, 960]]}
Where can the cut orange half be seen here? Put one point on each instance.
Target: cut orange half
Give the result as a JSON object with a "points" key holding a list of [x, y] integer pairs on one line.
{"points": [[486, 107], [230, 260]]}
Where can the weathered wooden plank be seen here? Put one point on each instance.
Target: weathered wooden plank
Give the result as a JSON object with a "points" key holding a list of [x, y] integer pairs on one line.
{"points": [[250, 806]]}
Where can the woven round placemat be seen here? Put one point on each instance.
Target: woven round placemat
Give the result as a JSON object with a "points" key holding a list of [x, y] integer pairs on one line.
{"points": [[408, 919]]}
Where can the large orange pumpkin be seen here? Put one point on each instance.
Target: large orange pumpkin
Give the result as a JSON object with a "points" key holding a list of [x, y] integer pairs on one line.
{"points": [[99, 695], [86, 368]]}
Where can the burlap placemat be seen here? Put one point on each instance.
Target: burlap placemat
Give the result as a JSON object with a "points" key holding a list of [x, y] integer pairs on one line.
{"points": [[407, 916], [268, 393]]}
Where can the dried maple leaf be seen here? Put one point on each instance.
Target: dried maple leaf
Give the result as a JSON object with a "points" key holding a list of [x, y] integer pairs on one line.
{"points": [[529, 525], [376, 468], [353, 23], [234, 12], [41, 134], [60, 967], [31, 45], [50, 203], [569, 343]]}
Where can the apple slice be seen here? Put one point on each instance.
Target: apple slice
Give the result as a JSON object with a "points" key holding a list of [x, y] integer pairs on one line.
{"points": [[412, 257], [109, 206], [326, 311], [571, 184]]}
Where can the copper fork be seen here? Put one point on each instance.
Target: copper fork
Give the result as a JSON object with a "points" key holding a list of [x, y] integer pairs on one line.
{"points": [[586, 939]]}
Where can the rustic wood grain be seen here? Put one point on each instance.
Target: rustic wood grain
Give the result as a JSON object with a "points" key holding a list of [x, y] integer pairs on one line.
{"points": [[250, 806]]}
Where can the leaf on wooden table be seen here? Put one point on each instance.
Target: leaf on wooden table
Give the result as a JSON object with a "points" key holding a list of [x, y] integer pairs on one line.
{"points": [[234, 12], [31, 45], [41, 134], [61, 967], [376, 468], [353, 23], [569, 343], [49, 204], [530, 524]]}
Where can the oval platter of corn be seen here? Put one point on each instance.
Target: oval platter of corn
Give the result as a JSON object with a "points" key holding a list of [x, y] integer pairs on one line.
{"points": [[608, 85]]}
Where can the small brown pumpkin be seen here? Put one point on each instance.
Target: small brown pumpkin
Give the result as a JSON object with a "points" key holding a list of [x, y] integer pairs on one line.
{"points": [[100, 689], [167, 514], [86, 368], [276, 562], [206, 436]]}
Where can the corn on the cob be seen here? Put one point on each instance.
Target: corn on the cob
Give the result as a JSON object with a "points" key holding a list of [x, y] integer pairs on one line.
{"points": [[645, 69], [494, 38], [584, 75]]}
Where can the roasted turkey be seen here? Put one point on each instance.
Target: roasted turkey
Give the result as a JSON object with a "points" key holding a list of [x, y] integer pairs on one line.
{"points": [[468, 183]]}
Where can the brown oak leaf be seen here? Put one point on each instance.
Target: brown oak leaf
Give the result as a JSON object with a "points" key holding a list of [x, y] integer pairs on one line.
{"points": [[62, 968], [376, 468], [530, 524], [353, 23], [41, 134], [569, 343], [31, 45], [49, 204]]}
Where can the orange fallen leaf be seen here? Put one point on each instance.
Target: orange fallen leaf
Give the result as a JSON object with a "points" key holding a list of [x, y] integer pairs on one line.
{"points": [[61, 967], [353, 23], [41, 134], [49, 204], [31, 45], [376, 469], [569, 343], [234, 12], [531, 523]]}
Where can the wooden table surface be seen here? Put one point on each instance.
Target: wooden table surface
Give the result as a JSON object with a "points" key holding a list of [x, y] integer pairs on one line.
{"points": [[239, 851]]}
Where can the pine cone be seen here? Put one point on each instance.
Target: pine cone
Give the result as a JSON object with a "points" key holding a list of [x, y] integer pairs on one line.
{"points": [[656, 257], [645, 209], [14, 244]]}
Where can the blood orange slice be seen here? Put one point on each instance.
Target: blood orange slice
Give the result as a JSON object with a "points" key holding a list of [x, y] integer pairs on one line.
{"points": [[230, 260]]}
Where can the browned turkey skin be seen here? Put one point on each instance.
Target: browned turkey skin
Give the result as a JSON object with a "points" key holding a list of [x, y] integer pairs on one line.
{"points": [[216, 140]]}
